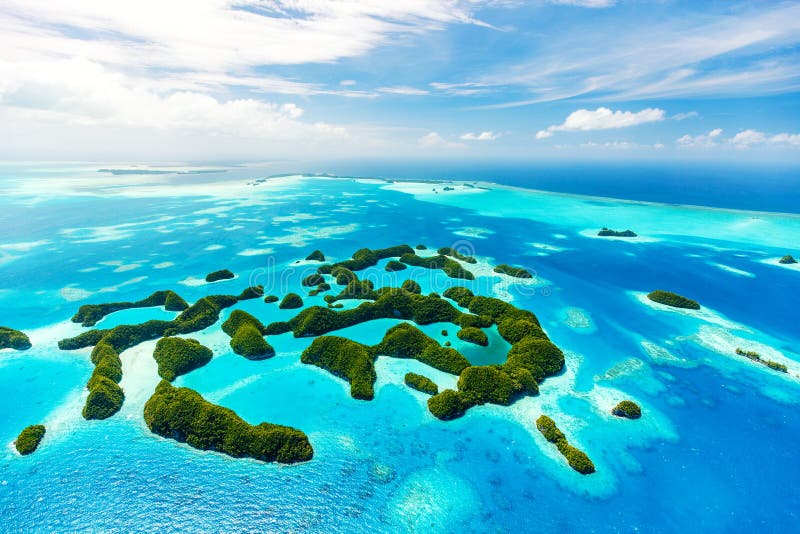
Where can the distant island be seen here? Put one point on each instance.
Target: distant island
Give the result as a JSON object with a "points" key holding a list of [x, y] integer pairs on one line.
{"points": [[29, 439], [787, 260], [13, 339], [216, 276], [606, 232], [673, 299], [627, 409], [756, 357]]}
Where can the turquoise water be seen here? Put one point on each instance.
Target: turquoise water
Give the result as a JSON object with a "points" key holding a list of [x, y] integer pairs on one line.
{"points": [[714, 451]]}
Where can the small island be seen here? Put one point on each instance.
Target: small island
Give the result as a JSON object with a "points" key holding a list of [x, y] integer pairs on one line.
{"points": [[313, 280], [674, 300], [13, 339], [787, 260], [605, 232], [216, 276], [291, 301], [177, 356], [421, 383], [510, 270], [756, 357], [627, 409], [183, 415], [346, 359], [577, 459], [29, 439], [247, 336], [394, 265], [317, 255], [91, 314], [269, 299], [473, 335]]}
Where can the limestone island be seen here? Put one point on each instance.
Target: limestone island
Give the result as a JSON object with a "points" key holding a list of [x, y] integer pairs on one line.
{"points": [[668, 298], [177, 356], [29, 439], [421, 383], [756, 357], [577, 459], [291, 301], [516, 272], [13, 339], [247, 336], [183, 415], [473, 335], [317, 255], [787, 260], [216, 276], [91, 314], [627, 409], [394, 265], [269, 299], [605, 232]]}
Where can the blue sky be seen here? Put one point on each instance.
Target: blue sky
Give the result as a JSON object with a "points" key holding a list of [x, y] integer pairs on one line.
{"points": [[445, 79]]}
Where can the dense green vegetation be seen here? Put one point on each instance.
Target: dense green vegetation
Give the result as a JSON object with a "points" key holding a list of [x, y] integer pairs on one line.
{"points": [[239, 318], [90, 314], [421, 383], [517, 272], [673, 299], [216, 276], [577, 459], [365, 257], [291, 301], [104, 400], [317, 255], [447, 405], [407, 341], [473, 335], [447, 251], [13, 339], [182, 414], [627, 409], [394, 265], [314, 279], [247, 336], [411, 286], [346, 359], [756, 357], [251, 292], [269, 299], [324, 286], [605, 232], [421, 247], [787, 260], [177, 356], [29, 439], [451, 268]]}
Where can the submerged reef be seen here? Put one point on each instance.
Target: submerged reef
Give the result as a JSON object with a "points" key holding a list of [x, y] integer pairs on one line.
{"points": [[605, 232], [627, 409], [13, 339], [517, 272], [421, 383], [216, 276], [291, 301], [577, 459], [29, 439], [177, 356], [90, 314], [673, 299], [317, 255], [787, 260], [756, 357], [183, 415]]}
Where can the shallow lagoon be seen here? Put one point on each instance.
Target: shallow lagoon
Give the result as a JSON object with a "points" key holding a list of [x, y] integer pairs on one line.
{"points": [[720, 425]]}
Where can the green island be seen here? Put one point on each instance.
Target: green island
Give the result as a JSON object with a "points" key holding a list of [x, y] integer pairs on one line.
{"points": [[90, 314], [269, 299], [756, 357], [313, 280], [177, 356], [448, 251], [627, 409], [216, 276], [605, 232], [251, 292], [421, 247], [577, 459], [183, 415], [247, 336], [450, 267], [421, 383], [394, 266], [510, 270], [13, 339], [787, 260], [365, 257], [321, 288], [29, 439], [473, 335], [673, 299], [291, 301], [317, 255]]}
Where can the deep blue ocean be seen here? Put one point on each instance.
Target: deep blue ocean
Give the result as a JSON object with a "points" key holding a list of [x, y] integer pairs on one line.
{"points": [[716, 449]]}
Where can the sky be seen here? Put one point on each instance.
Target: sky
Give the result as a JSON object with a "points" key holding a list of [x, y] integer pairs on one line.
{"points": [[213, 80]]}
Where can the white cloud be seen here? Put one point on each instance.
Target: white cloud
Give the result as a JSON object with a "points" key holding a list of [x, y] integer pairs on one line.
{"points": [[749, 138], [347, 82], [402, 90], [684, 116], [434, 140], [702, 140], [602, 119], [483, 136]]}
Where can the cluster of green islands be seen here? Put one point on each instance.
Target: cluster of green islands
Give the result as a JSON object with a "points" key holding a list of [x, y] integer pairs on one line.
{"points": [[182, 414]]}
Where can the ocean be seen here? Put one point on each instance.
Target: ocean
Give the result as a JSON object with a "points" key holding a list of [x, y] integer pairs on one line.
{"points": [[715, 448]]}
